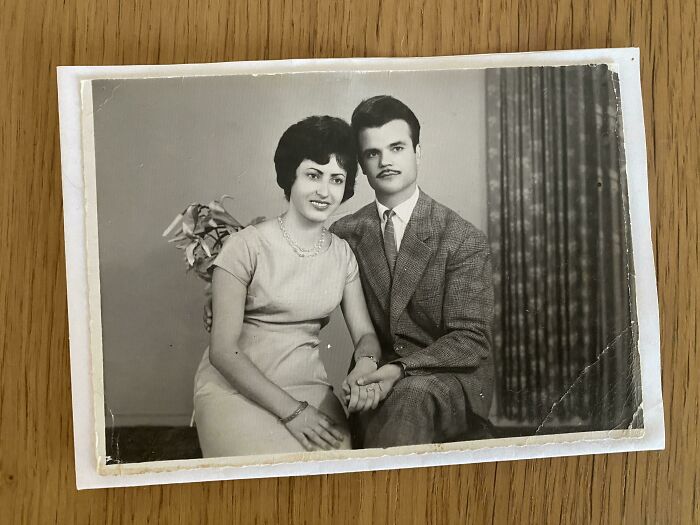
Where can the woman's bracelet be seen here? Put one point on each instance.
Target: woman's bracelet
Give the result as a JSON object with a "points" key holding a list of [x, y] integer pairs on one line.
{"points": [[302, 406], [370, 357]]}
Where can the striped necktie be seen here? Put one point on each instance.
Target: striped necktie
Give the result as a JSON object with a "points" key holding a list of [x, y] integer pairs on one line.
{"points": [[390, 240]]}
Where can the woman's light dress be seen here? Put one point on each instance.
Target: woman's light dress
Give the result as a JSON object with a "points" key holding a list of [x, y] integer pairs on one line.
{"points": [[289, 300]]}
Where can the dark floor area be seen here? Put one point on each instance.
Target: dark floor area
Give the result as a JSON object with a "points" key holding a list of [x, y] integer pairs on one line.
{"points": [[139, 444]]}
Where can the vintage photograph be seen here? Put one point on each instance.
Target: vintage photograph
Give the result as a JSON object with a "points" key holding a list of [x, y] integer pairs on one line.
{"points": [[325, 265]]}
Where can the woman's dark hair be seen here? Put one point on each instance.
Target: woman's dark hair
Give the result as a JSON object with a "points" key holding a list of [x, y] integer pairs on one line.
{"points": [[377, 111], [316, 138]]}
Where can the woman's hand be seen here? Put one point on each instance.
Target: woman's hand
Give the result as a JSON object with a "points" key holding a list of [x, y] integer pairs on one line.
{"points": [[359, 399], [377, 385], [315, 430], [368, 398]]}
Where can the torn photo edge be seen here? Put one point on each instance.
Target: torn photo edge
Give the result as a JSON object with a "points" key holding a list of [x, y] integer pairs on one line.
{"points": [[82, 265]]}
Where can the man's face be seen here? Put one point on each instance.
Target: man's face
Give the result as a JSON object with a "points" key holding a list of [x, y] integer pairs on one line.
{"points": [[388, 159]]}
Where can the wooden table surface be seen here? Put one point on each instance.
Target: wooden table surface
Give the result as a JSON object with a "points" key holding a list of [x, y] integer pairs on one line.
{"points": [[37, 479]]}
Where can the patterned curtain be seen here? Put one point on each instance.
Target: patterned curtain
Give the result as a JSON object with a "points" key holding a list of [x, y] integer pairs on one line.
{"points": [[565, 334]]}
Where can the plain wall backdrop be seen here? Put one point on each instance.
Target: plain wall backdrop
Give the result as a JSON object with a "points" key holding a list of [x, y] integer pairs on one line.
{"points": [[161, 144]]}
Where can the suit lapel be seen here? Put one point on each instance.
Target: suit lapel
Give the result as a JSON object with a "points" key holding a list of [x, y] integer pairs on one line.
{"points": [[370, 255], [412, 259]]}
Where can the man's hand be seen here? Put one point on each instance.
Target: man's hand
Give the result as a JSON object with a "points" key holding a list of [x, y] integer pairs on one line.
{"points": [[207, 318], [359, 399], [380, 383]]}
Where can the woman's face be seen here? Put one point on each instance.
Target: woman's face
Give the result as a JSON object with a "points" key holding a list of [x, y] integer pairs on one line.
{"points": [[318, 189]]}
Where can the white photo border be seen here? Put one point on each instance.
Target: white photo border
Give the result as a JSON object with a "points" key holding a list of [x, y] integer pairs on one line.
{"points": [[82, 274]]}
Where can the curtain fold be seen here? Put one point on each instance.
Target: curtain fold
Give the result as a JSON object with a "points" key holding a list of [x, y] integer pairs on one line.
{"points": [[565, 334]]}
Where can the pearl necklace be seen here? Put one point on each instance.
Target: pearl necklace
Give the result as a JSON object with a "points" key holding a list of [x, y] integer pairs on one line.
{"points": [[302, 252]]}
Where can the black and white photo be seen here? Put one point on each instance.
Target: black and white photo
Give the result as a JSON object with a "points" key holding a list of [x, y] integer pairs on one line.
{"points": [[324, 266]]}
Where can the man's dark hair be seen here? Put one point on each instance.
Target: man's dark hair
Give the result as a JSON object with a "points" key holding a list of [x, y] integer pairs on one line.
{"points": [[377, 111], [316, 138]]}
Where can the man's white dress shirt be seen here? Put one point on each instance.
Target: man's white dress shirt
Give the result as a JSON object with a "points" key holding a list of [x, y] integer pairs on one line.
{"points": [[402, 214]]}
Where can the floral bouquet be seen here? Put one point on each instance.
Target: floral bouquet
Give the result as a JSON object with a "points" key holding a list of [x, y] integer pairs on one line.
{"points": [[200, 231]]}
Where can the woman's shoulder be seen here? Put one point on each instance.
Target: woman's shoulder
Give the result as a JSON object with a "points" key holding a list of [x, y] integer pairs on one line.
{"points": [[265, 227], [248, 238], [246, 235], [239, 253]]}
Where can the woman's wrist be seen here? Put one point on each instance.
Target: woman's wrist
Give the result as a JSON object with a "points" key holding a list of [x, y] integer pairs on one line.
{"points": [[370, 357], [285, 406], [303, 405], [368, 346]]}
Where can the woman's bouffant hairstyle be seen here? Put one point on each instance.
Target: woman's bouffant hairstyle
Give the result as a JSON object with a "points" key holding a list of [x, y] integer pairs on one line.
{"points": [[382, 109], [316, 138]]}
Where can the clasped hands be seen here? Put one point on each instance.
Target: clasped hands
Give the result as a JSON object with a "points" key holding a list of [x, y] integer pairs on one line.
{"points": [[366, 385]]}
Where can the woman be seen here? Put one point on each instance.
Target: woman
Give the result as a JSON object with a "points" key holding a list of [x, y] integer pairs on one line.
{"points": [[261, 387]]}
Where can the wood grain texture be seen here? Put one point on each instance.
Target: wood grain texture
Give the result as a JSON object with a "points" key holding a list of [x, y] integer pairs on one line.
{"points": [[36, 455]]}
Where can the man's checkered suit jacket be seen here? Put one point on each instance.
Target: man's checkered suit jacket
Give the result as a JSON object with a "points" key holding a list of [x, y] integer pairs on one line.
{"points": [[436, 315]]}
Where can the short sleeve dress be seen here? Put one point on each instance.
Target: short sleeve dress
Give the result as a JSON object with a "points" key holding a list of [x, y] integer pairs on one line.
{"points": [[289, 300]]}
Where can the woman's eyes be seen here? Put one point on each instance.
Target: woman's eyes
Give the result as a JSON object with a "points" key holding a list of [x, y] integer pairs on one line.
{"points": [[316, 176]]}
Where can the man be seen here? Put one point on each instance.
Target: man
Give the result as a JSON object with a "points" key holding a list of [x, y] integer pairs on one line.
{"points": [[426, 276]]}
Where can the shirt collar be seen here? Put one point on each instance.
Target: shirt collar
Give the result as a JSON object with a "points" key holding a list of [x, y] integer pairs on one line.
{"points": [[404, 210]]}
